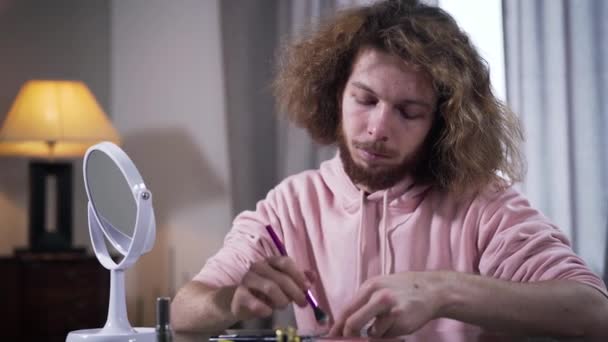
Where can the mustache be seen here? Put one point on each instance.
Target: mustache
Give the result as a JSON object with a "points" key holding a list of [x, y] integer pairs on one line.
{"points": [[376, 147]]}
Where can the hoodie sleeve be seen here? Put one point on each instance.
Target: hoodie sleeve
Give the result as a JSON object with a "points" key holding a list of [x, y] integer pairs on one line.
{"points": [[517, 243], [246, 243]]}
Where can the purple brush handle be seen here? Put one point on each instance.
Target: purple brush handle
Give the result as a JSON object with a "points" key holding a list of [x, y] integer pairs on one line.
{"points": [[309, 297], [276, 241]]}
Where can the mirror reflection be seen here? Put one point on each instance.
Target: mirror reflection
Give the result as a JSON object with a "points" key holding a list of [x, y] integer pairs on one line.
{"points": [[111, 195]]}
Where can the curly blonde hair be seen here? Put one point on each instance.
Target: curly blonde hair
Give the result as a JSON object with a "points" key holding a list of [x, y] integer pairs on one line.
{"points": [[476, 139]]}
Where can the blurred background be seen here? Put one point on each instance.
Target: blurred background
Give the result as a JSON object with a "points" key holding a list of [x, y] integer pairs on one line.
{"points": [[186, 84]]}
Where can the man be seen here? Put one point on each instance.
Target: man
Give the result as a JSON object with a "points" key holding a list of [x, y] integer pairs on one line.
{"points": [[414, 224]]}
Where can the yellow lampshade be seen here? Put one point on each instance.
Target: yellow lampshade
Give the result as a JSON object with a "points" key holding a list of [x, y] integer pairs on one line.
{"points": [[54, 119]]}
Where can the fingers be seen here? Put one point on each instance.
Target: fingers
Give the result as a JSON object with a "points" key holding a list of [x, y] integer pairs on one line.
{"points": [[369, 302], [245, 305], [361, 297], [381, 326], [274, 282], [266, 290], [270, 284], [288, 266], [357, 320]]}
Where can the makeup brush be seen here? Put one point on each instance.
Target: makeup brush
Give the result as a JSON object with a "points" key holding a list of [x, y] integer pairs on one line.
{"points": [[320, 315]]}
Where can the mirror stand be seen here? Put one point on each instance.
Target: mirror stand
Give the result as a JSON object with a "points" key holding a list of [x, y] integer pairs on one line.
{"points": [[117, 327], [117, 321], [130, 238]]}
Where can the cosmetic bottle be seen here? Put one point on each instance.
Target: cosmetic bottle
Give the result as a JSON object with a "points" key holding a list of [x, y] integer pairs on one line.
{"points": [[163, 327]]}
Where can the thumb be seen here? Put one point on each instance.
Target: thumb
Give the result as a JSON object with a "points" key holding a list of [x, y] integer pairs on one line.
{"points": [[311, 276]]}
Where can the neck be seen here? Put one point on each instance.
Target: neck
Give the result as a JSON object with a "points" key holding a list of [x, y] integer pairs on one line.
{"points": [[367, 189], [364, 188]]}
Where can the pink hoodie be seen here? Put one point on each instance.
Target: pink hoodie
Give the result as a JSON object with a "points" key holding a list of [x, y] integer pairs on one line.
{"points": [[332, 228]]}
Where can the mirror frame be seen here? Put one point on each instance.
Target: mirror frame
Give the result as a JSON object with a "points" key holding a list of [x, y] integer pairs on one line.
{"points": [[99, 227]]}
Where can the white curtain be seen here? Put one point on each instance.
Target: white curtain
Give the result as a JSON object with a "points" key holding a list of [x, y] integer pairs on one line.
{"points": [[557, 81]]}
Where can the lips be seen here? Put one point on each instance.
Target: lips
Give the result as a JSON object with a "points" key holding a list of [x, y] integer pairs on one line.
{"points": [[374, 153], [371, 156]]}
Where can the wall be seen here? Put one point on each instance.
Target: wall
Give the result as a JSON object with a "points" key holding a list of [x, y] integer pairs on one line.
{"points": [[167, 93], [156, 69]]}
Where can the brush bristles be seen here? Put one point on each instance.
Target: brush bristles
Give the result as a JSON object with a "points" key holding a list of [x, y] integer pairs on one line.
{"points": [[320, 316]]}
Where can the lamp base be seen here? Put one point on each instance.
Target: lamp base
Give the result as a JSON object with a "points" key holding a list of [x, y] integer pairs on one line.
{"points": [[42, 239], [96, 335]]}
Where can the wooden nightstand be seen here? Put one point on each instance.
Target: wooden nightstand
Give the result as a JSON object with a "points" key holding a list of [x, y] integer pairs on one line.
{"points": [[46, 295]]}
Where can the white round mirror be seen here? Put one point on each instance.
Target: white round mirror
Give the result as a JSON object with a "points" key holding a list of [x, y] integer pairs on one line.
{"points": [[111, 195], [120, 214]]}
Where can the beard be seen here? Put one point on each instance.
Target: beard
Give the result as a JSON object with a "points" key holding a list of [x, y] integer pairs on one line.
{"points": [[373, 178]]}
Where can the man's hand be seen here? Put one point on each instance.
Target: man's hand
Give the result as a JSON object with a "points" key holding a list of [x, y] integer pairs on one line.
{"points": [[398, 303], [270, 284]]}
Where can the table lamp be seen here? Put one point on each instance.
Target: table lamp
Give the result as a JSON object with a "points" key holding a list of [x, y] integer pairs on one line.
{"points": [[52, 122]]}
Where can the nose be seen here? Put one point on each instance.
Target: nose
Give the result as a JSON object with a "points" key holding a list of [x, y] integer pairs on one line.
{"points": [[378, 125]]}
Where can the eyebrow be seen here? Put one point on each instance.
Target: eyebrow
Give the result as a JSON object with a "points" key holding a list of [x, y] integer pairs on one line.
{"points": [[404, 102]]}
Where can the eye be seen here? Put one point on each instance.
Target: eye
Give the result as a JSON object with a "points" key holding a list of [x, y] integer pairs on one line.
{"points": [[365, 100], [408, 115]]}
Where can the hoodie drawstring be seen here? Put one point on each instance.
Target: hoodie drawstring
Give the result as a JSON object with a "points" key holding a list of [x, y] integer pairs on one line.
{"points": [[384, 235], [359, 277]]}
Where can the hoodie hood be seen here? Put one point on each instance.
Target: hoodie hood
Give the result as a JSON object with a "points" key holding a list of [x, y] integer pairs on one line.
{"points": [[396, 202]]}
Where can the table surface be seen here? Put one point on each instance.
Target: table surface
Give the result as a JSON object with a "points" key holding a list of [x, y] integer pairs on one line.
{"points": [[438, 336]]}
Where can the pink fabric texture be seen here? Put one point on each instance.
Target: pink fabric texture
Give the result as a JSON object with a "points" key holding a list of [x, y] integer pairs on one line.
{"points": [[345, 237]]}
